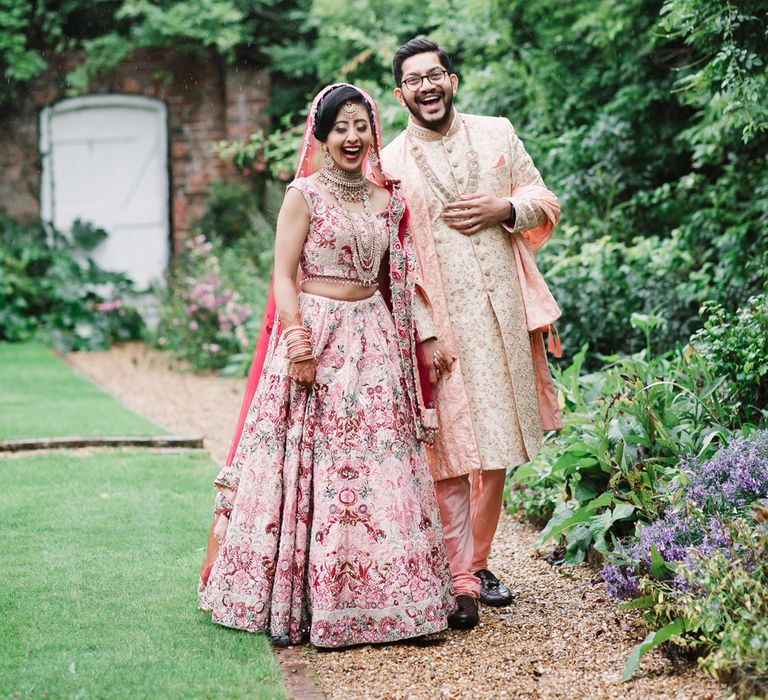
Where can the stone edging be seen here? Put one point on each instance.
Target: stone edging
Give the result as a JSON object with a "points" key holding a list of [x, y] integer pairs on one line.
{"points": [[176, 441]]}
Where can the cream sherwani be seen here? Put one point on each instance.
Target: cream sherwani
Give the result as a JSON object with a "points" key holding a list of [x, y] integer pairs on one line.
{"points": [[484, 302]]}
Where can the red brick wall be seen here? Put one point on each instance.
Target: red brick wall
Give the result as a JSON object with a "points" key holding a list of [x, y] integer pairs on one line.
{"points": [[206, 101]]}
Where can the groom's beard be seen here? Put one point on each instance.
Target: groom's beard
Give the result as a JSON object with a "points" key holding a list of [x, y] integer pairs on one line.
{"points": [[420, 114]]}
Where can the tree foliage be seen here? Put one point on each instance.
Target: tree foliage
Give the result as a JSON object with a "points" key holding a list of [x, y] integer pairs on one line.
{"points": [[108, 31]]}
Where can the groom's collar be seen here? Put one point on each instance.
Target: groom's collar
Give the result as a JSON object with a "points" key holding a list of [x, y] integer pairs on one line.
{"points": [[429, 135]]}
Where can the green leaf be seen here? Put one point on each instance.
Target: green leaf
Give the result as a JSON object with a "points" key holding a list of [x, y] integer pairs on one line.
{"points": [[643, 603], [653, 640], [659, 567], [566, 517]]}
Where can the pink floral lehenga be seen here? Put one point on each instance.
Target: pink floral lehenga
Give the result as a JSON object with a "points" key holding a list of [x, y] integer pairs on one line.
{"points": [[327, 523]]}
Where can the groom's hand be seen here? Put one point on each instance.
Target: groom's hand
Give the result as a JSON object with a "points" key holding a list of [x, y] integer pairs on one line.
{"points": [[475, 212]]}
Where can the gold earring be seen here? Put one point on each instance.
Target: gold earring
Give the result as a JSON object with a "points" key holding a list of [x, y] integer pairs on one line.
{"points": [[327, 160], [373, 159]]}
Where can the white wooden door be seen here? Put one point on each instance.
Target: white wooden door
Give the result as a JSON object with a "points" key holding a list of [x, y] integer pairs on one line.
{"points": [[105, 161]]}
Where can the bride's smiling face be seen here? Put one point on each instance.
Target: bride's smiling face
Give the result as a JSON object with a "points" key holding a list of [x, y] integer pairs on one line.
{"points": [[350, 137]]}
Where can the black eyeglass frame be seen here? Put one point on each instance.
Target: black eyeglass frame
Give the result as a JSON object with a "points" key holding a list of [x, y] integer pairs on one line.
{"points": [[420, 78]]}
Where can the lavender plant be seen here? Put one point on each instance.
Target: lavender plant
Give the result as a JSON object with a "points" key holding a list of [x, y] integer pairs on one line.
{"points": [[718, 491]]}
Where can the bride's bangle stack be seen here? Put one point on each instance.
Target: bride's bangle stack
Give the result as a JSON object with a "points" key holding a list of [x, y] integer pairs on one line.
{"points": [[298, 344]]}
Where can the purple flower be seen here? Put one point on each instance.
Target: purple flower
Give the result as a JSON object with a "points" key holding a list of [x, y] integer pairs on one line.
{"points": [[720, 489], [733, 479], [620, 581]]}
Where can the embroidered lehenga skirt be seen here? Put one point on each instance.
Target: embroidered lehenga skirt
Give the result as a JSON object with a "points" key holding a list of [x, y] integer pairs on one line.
{"points": [[334, 533]]}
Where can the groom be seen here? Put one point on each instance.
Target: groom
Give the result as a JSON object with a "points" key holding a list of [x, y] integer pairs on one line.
{"points": [[478, 209]]}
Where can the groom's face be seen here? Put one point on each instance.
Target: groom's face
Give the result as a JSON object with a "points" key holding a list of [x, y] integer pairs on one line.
{"points": [[430, 104]]}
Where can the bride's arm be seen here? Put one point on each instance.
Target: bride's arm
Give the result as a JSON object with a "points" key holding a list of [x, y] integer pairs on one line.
{"points": [[292, 228]]}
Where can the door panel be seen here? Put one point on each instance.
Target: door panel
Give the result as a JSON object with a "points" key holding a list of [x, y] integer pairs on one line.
{"points": [[105, 161]]}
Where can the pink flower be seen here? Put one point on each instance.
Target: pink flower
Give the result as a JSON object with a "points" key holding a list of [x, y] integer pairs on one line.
{"points": [[193, 325], [107, 306]]}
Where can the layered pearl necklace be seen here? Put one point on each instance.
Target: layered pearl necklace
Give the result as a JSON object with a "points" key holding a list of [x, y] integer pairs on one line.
{"points": [[366, 245]]}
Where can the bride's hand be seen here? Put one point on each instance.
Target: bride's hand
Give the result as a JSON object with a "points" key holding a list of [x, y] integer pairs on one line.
{"points": [[303, 373], [439, 359]]}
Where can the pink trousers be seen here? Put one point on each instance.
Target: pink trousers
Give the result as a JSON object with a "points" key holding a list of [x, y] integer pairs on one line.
{"points": [[470, 514]]}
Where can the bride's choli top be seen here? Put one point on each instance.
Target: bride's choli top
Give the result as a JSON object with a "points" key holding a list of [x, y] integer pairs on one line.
{"points": [[330, 248]]}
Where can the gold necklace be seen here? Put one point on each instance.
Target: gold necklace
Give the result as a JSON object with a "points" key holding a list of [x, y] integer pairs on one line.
{"points": [[352, 187], [446, 194], [366, 247]]}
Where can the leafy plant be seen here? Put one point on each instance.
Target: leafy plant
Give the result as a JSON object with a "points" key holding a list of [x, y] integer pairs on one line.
{"points": [[734, 347], [50, 286], [693, 568], [626, 429]]}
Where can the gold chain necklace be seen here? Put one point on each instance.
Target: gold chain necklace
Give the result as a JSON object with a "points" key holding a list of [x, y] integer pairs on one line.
{"points": [[366, 246], [351, 187], [444, 193]]}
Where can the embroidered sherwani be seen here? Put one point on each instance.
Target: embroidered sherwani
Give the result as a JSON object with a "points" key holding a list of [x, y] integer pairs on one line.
{"points": [[489, 306], [489, 406]]}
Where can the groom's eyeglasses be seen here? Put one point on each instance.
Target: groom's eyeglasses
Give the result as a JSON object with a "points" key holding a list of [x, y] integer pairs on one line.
{"points": [[414, 82]]}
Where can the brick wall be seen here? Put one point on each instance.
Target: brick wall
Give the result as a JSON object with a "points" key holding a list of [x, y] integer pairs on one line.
{"points": [[206, 101]]}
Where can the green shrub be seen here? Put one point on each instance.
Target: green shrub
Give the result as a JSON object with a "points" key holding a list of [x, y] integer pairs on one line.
{"points": [[50, 287], [735, 347], [628, 427], [625, 430]]}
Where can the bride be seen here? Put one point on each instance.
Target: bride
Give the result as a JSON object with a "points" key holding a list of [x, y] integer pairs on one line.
{"points": [[326, 524]]}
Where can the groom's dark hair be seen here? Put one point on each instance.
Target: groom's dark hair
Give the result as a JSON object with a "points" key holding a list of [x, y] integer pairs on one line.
{"points": [[413, 47]]}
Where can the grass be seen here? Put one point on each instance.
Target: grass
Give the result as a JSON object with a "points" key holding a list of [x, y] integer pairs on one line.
{"points": [[41, 396], [98, 575]]}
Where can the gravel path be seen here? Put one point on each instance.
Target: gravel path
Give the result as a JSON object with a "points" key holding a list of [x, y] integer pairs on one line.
{"points": [[563, 638]]}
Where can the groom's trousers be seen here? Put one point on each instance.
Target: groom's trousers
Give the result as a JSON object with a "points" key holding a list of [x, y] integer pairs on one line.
{"points": [[470, 512]]}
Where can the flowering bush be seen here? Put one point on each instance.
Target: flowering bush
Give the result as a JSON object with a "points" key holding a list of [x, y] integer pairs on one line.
{"points": [[719, 490], [204, 320], [702, 567]]}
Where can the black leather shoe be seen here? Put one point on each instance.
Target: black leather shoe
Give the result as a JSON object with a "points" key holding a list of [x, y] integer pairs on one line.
{"points": [[466, 616], [492, 591]]}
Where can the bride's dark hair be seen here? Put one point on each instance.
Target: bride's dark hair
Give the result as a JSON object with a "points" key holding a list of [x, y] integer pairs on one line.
{"points": [[329, 108]]}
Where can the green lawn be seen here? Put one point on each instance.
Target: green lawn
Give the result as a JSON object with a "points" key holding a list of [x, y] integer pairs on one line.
{"points": [[41, 396], [98, 573]]}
